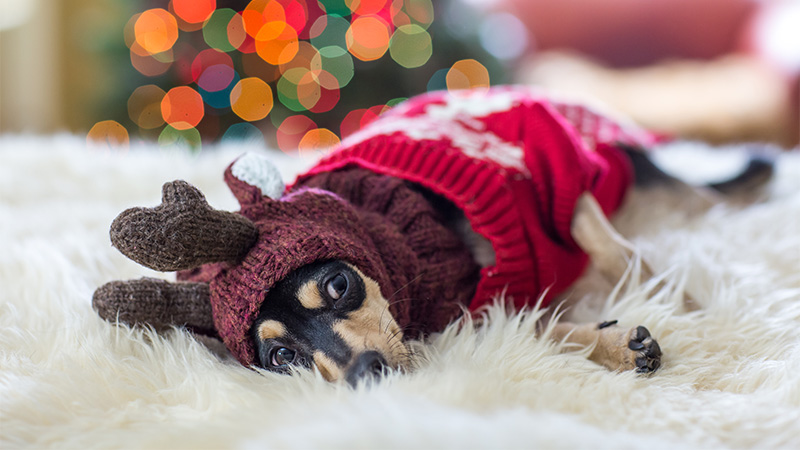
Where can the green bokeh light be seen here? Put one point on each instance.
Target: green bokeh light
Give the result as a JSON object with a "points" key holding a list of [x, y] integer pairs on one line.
{"points": [[411, 46], [338, 62], [215, 31]]}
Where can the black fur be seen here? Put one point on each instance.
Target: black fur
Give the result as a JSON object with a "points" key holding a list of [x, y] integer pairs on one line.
{"points": [[309, 330]]}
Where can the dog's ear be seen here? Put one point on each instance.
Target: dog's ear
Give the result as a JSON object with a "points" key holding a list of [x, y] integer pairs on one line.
{"points": [[183, 232], [158, 303]]}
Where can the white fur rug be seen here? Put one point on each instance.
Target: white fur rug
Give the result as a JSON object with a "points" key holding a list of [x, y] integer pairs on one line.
{"points": [[730, 375]]}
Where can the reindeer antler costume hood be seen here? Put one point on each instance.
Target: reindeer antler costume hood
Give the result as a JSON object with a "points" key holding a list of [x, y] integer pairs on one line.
{"points": [[228, 262]]}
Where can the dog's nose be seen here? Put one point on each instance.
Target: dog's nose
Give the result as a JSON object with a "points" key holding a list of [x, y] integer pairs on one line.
{"points": [[368, 364]]}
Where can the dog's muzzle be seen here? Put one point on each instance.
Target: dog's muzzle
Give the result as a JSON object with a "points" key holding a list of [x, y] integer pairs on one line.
{"points": [[369, 364]]}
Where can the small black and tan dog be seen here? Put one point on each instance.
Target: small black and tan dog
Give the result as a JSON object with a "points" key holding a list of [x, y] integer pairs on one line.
{"points": [[438, 199]]}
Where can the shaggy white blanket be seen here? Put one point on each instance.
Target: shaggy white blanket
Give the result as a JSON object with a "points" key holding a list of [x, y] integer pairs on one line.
{"points": [[730, 376]]}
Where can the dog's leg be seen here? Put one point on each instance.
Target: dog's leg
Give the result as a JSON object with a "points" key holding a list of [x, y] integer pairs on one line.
{"points": [[609, 251], [614, 347]]}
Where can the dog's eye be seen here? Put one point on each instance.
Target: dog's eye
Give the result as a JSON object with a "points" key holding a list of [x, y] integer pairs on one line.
{"points": [[336, 286], [282, 357]]}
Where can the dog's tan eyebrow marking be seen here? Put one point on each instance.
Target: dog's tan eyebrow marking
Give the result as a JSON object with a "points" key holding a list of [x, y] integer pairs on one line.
{"points": [[309, 296], [271, 329], [327, 368]]}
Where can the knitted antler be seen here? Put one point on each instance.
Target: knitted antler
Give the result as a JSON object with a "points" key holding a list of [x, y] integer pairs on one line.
{"points": [[157, 303], [183, 232]]}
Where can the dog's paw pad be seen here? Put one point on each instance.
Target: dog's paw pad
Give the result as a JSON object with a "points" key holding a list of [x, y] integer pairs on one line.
{"points": [[647, 353]]}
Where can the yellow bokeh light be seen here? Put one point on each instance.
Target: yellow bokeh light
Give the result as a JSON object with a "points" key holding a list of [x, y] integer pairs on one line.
{"points": [[108, 133], [467, 74], [251, 99]]}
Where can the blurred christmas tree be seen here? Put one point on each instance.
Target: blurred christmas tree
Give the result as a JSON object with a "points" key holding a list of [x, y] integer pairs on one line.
{"points": [[297, 74]]}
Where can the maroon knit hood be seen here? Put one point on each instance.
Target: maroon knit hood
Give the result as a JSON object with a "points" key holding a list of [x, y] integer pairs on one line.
{"points": [[384, 228]]}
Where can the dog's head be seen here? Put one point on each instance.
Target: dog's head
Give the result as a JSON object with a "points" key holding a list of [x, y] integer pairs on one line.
{"points": [[331, 316], [279, 289]]}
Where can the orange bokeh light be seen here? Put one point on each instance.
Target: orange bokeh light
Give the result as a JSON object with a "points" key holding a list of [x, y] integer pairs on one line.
{"points": [[251, 99], [276, 43], [317, 139], [467, 74], [260, 12], [109, 133], [194, 11], [182, 107], [368, 38], [156, 30]]}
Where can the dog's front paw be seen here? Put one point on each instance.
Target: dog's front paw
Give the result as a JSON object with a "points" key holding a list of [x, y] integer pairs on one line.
{"points": [[645, 353]]}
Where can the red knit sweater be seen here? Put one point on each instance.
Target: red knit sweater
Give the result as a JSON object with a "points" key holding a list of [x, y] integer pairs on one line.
{"points": [[515, 163]]}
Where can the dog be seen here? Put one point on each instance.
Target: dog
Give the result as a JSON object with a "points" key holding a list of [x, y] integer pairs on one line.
{"points": [[438, 207]]}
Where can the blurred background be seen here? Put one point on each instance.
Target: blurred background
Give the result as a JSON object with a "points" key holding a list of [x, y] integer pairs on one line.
{"points": [[304, 73]]}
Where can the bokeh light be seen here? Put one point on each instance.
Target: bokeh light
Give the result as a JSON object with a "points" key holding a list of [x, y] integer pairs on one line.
{"points": [[368, 38], [467, 74], [215, 31], [216, 77], [251, 99], [291, 132], [188, 137], [144, 106], [244, 132], [438, 80], [194, 11], [364, 7], [222, 83], [258, 12], [411, 46], [336, 61], [182, 108], [238, 37], [156, 30], [359, 118], [329, 31], [276, 42], [208, 58], [151, 65], [504, 36], [335, 7], [317, 139], [412, 12], [108, 133], [318, 91], [288, 63]]}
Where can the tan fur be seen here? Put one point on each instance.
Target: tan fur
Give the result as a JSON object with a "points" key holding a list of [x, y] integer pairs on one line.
{"points": [[271, 329], [327, 368], [609, 251], [309, 296], [610, 344], [372, 327]]}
